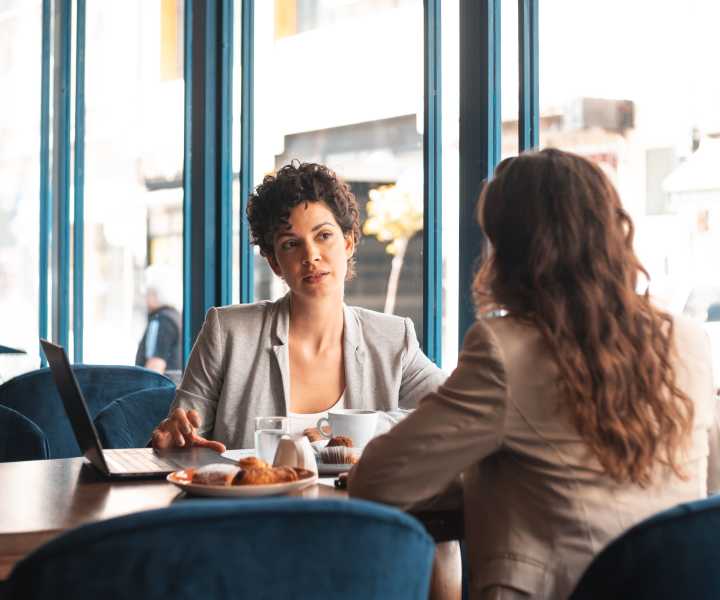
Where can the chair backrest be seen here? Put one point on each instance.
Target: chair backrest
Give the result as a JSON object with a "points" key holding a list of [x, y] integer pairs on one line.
{"points": [[267, 548], [128, 422], [35, 396], [671, 555], [20, 438]]}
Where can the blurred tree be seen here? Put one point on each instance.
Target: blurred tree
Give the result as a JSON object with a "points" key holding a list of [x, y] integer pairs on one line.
{"points": [[394, 215]]}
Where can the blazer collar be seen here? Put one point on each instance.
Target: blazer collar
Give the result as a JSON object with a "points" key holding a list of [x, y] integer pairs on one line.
{"points": [[281, 321], [352, 349]]}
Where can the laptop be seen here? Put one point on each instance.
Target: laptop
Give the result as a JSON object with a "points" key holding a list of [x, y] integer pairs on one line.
{"points": [[121, 463]]}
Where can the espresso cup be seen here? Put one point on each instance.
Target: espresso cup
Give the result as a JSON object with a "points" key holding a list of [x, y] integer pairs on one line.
{"points": [[357, 424]]}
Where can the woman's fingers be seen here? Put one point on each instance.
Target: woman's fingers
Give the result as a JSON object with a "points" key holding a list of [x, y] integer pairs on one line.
{"points": [[177, 429], [161, 439], [205, 443], [180, 417], [180, 429], [194, 418]]}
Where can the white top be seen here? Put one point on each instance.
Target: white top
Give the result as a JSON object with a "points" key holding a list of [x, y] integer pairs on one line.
{"points": [[297, 422]]}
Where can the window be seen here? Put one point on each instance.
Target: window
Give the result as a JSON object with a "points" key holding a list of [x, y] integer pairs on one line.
{"points": [[133, 175], [348, 92], [642, 102], [20, 78]]}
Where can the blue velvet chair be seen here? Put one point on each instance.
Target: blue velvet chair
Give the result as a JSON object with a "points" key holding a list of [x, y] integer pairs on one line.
{"points": [[20, 438], [671, 555], [35, 396], [224, 549], [128, 422]]}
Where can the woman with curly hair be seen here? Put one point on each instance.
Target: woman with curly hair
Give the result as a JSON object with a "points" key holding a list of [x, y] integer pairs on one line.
{"points": [[307, 352], [577, 408]]}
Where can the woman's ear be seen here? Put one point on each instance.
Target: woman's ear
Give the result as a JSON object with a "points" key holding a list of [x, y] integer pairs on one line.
{"points": [[349, 246]]}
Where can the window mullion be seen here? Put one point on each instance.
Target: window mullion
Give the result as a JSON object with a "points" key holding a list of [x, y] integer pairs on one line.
{"points": [[480, 133]]}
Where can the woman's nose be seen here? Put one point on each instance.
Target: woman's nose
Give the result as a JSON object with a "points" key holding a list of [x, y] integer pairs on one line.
{"points": [[312, 255]]}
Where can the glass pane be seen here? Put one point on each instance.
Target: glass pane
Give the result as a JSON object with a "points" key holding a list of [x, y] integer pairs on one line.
{"points": [[133, 185], [357, 109], [643, 103], [20, 72]]}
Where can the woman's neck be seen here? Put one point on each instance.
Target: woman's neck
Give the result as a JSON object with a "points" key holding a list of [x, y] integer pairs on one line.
{"points": [[318, 322]]}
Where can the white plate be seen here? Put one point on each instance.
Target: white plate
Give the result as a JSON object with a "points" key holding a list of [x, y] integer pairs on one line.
{"points": [[328, 469], [183, 480]]}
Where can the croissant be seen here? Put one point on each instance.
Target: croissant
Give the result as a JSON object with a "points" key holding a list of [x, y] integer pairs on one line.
{"points": [[256, 476], [253, 462]]}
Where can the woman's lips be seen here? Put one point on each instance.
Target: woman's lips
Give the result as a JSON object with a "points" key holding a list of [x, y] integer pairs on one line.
{"points": [[315, 277]]}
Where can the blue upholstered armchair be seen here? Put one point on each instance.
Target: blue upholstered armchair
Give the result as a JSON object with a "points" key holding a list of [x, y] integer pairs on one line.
{"points": [[671, 555], [221, 550], [128, 421], [35, 396], [20, 438]]}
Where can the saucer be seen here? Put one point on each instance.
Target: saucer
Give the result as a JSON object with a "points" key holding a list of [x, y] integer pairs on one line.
{"points": [[330, 469]]}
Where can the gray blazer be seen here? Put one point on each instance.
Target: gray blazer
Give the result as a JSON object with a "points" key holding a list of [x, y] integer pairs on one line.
{"points": [[538, 505], [239, 367]]}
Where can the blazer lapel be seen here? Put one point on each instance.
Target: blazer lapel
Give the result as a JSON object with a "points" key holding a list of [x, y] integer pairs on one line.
{"points": [[281, 328], [354, 354]]}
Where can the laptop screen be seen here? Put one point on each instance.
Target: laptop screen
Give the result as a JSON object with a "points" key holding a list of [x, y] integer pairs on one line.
{"points": [[75, 406]]}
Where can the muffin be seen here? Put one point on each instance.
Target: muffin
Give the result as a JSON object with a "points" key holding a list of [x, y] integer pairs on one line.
{"points": [[340, 440], [339, 455], [219, 474]]}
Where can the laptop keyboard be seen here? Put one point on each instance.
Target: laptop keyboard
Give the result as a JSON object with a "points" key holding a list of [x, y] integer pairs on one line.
{"points": [[140, 461]]}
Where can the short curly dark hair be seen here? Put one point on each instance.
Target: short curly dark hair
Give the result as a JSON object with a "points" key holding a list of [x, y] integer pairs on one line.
{"points": [[270, 204]]}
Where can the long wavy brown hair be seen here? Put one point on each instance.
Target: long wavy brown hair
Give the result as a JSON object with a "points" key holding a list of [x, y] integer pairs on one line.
{"points": [[561, 257]]}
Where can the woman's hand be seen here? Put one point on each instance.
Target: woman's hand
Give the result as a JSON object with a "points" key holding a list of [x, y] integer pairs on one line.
{"points": [[179, 430]]}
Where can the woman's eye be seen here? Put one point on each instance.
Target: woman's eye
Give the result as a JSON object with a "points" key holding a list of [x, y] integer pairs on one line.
{"points": [[325, 235], [288, 245]]}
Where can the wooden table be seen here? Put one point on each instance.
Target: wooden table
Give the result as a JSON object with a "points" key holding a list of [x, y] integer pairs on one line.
{"points": [[41, 499]]}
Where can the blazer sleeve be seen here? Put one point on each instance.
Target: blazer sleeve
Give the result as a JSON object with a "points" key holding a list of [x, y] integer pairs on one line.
{"points": [[204, 375], [451, 429], [420, 376]]}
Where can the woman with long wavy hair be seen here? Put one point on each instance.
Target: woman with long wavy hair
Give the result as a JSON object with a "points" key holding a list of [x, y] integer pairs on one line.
{"points": [[577, 408]]}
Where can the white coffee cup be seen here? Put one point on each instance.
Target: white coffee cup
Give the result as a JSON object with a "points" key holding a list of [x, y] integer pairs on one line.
{"points": [[357, 424]]}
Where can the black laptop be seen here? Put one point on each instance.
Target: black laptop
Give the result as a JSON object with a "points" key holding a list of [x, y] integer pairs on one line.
{"points": [[127, 462]]}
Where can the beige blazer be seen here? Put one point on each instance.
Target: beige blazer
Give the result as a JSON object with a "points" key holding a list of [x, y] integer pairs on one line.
{"points": [[538, 505], [239, 367]]}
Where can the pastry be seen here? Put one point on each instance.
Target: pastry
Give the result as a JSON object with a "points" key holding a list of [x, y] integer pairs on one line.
{"points": [[340, 440], [285, 474], [338, 455], [313, 434], [256, 476], [253, 462], [219, 474]]}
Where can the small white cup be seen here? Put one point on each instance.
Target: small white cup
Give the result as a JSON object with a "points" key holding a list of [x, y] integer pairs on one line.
{"points": [[357, 424]]}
